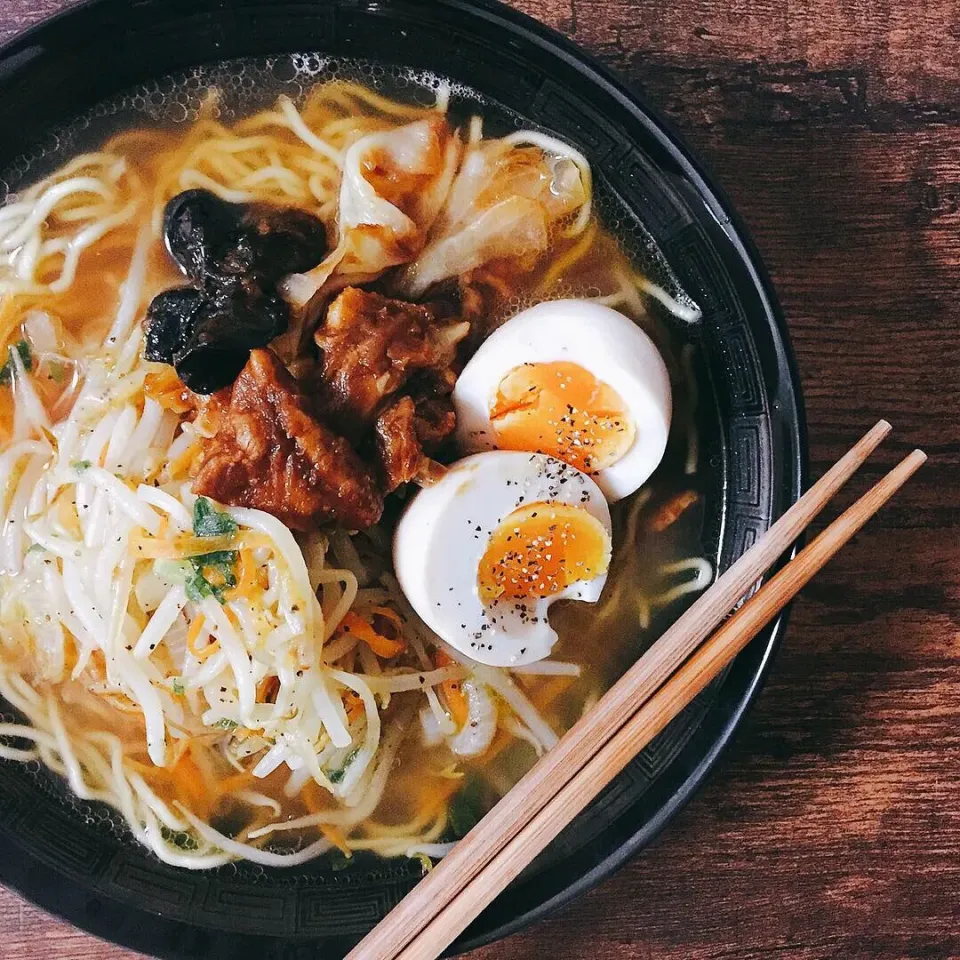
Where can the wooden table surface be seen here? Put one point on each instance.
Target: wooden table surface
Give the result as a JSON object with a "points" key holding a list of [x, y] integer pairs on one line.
{"points": [[832, 827]]}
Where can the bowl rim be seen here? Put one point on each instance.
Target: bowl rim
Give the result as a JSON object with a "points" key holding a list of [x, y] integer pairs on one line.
{"points": [[787, 416]]}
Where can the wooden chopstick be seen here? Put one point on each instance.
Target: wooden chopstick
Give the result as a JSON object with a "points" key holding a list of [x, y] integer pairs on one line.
{"points": [[705, 664], [587, 736]]}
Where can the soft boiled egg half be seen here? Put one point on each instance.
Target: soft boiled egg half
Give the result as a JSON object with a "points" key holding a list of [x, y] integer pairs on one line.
{"points": [[482, 553], [575, 380]]}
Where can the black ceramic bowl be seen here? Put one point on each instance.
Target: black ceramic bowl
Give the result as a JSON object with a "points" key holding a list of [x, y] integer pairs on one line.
{"points": [[70, 858]]}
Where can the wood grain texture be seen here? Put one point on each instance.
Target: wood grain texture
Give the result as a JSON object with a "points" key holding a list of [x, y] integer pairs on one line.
{"points": [[832, 827]]}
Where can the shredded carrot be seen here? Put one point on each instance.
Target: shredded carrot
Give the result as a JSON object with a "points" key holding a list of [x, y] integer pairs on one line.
{"points": [[456, 702], [179, 548], [208, 651], [671, 511], [268, 689], [249, 577], [97, 666], [214, 576], [382, 646], [232, 617], [353, 704], [191, 786], [180, 467], [168, 390], [139, 616], [336, 837], [71, 652], [452, 691], [313, 800], [164, 525], [193, 634]]}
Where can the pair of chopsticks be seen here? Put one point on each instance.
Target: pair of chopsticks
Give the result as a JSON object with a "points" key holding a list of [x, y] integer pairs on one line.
{"points": [[654, 691]]}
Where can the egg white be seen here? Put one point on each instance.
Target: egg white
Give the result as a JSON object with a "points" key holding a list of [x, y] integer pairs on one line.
{"points": [[444, 533], [604, 342]]}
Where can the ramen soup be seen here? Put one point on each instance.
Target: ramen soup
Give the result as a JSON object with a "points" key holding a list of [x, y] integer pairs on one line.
{"points": [[344, 463]]}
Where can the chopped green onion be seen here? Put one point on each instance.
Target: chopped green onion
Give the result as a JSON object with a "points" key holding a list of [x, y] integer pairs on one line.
{"points": [[23, 348], [199, 585], [467, 808], [335, 776], [208, 575], [338, 860], [208, 521]]}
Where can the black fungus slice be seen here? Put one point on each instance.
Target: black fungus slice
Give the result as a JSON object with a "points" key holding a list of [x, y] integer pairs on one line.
{"points": [[198, 227], [281, 241], [208, 334], [212, 239], [170, 320], [235, 254], [226, 329]]}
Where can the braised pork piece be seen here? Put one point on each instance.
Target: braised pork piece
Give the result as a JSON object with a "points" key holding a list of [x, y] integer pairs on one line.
{"points": [[271, 453], [372, 346], [406, 432]]}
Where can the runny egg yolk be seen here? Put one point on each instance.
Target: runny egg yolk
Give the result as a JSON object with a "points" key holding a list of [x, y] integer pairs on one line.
{"points": [[563, 410], [541, 549]]}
